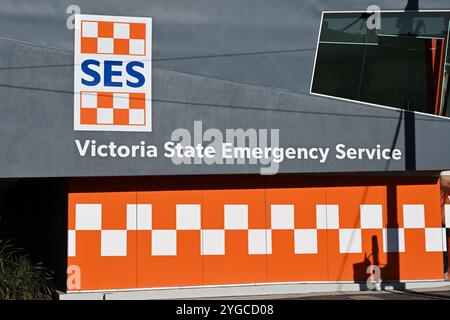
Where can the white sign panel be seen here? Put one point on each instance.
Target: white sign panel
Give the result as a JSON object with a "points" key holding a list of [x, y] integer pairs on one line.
{"points": [[113, 83]]}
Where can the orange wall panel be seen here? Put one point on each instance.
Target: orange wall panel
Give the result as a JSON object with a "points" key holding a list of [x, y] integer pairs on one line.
{"points": [[230, 214], [416, 262], [104, 252], [169, 253], [356, 244], [171, 232], [306, 261]]}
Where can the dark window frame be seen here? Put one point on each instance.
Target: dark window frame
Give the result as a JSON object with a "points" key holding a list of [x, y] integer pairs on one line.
{"points": [[446, 61]]}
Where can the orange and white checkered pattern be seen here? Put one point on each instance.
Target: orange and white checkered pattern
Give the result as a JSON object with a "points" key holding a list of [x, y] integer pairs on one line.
{"points": [[112, 108], [120, 38], [160, 236], [110, 101], [88, 217]]}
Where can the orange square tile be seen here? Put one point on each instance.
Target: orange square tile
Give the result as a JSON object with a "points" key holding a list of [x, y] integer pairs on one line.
{"points": [[236, 266], [121, 116], [104, 272], [137, 30], [137, 100], [105, 29], [105, 100], [165, 270], [121, 46], [88, 116], [88, 45]]}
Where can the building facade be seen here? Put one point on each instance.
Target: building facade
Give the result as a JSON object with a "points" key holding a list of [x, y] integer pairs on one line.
{"points": [[326, 123]]}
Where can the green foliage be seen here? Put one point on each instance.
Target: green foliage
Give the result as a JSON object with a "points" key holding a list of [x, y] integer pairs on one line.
{"points": [[19, 278]]}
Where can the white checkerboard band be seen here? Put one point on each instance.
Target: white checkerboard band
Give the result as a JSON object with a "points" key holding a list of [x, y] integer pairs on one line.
{"points": [[88, 217]]}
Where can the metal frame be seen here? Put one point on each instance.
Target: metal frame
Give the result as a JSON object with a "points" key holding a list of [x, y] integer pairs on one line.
{"points": [[361, 102]]}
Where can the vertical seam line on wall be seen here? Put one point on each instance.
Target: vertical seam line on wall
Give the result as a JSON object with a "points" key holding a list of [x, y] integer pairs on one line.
{"points": [[326, 232], [265, 225], [68, 206], [136, 232], [202, 188]]}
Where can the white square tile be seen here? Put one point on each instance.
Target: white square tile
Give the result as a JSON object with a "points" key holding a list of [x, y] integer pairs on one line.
{"points": [[144, 217], [90, 29], [413, 216], [350, 241], [88, 217], [121, 101], [327, 216], [188, 217], [131, 217], [89, 100], [305, 241], [435, 240], [137, 116], [212, 242], [444, 239], [447, 215], [259, 241], [105, 115], [332, 216], [321, 216], [164, 243], [121, 31], [105, 45], [282, 217], [139, 217], [393, 240], [371, 216], [71, 243], [236, 216], [114, 243], [137, 46]]}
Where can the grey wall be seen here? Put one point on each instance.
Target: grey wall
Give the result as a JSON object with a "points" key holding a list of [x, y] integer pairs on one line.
{"points": [[231, 64]]}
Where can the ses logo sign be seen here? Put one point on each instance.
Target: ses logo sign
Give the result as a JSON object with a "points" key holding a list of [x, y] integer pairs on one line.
{"points": [[112, 84]]}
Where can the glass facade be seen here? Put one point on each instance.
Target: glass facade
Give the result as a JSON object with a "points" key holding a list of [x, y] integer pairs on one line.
{"points": [[398, 62], [445, 97]]}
